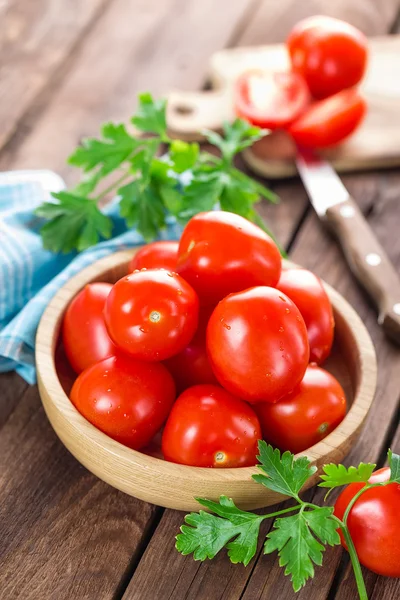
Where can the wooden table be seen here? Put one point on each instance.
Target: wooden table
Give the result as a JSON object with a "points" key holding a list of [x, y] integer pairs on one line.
{"points": [[70, 65]]}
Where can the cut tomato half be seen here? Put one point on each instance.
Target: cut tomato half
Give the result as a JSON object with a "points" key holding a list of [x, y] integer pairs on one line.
{"points": [[270, 100]]}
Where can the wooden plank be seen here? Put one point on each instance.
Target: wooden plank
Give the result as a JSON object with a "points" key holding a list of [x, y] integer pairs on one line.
{"points": [[12, 388], [73, 534], [37, 39], [371, 17]]}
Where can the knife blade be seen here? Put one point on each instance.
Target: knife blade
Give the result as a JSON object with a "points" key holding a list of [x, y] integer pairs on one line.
{"points": [[365, 255]]}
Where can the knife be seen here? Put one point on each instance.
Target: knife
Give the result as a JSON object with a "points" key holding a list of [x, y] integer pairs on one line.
{"points": [[365, 256]]}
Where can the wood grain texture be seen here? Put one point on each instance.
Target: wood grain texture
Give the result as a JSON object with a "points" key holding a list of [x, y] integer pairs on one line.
{"points": [[37, 38]]}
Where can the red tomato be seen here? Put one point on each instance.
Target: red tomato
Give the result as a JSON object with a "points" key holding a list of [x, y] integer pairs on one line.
{"points": [[192, 365], [125, 398], [208, 427], [308, 294], [329, 121], [157, 255], [152, 314], [257, 344], [84, 332], [330, 54], [374, 523], [307, 415], [221, 252], [270, 100]]}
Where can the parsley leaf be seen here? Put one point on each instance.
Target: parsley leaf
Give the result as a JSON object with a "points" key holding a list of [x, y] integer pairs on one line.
{"points": [[75, 222], [108, 153], [394, 464], [143, 207], [202, 194], [183, 156], [237, 136], [297, 547], [151, 116], [284, 473], [206, 534], [337, 475]]}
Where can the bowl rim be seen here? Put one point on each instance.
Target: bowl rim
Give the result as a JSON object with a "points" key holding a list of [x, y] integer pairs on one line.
{"points": [[47, 336]]}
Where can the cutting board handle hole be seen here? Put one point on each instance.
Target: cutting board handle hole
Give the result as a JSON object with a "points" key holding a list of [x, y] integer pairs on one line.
{"points": [[184, 109]]}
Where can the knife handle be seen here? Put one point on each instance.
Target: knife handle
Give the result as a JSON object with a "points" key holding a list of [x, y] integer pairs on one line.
{"points": [[369, 262]]}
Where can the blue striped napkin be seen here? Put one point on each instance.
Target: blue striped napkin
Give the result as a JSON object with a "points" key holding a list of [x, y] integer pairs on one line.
{"points": [[30, 275]]}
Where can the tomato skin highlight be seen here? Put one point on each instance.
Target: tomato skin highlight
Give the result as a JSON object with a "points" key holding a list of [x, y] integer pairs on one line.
{"points": [[307, 415], [152, 314], [257, 344], [374, 523], [270, 100], [307, 292], [330, 121], [330, 54], [221, 252], [192, 366], [208, 427], [127, 399], [84, 333], [157, 255]]}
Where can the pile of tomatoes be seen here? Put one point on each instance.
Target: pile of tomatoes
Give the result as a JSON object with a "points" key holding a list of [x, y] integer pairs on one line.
{"points": [[213, 320], [316, 102]]}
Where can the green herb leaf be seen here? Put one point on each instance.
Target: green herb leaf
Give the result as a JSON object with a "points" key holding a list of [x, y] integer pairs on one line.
{"points": [[283, 473], [394, 464], [183, 156], [142, 207], [237, 136], [150, 116], [202, 194], [206, 534], [337, 475], [75, 222], [298, 549], [108, 153]]}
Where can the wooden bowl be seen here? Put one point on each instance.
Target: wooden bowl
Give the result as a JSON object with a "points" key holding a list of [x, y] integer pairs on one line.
{"points": [[175, 486]]}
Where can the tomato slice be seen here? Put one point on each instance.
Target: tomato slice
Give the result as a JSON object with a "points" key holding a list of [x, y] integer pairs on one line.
{"points": [[270, 100], [329, 121]]}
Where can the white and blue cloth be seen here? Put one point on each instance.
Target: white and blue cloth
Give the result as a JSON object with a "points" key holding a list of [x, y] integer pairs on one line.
{"points": [[30, 275]]}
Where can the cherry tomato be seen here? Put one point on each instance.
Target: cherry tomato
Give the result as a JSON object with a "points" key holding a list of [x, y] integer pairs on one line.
{"points": [[127, 399], [208, 427], [152, 314], [307, 415], [329, 121], [308, 294], [257, 344], [330, 54], [157, 255], [192, 365], [270, 100], [374, 523], [221, 252], [84, 332]]}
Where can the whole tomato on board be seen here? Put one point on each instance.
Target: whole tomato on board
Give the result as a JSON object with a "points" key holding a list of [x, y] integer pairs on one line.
{"points": [[307, 415], [257, 343], [192, 366], [84, 333], [329, 121], [127, 399], [270, 100], [330, 54], [157, 255], [208, 427], [152, 314], [308, 294], [374, 523], [221, 252]]}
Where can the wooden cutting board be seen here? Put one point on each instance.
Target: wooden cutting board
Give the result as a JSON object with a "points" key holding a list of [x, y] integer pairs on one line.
{"points": [[375, 144]]}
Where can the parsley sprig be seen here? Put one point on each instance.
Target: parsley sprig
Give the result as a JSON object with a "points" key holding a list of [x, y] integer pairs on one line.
{"points": [[300, 539], [149, 187]]}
